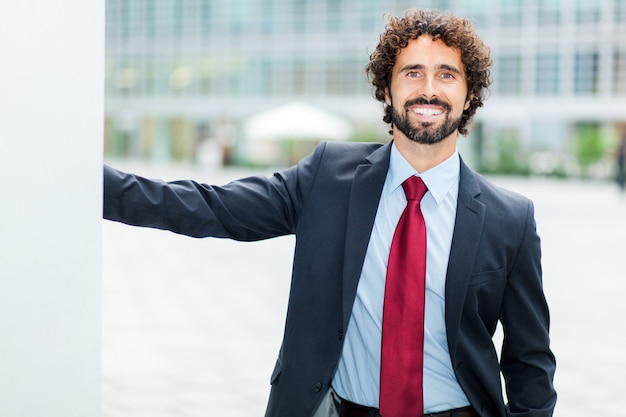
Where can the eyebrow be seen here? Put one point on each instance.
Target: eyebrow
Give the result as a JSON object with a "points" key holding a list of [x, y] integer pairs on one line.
{"points": [[447, 67]]}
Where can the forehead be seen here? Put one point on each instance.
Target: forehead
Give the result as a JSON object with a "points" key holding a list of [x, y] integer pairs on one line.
{"points": [[430, 53]]}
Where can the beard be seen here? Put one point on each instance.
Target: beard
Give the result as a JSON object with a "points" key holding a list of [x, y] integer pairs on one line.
{"points": [[424, 132]]}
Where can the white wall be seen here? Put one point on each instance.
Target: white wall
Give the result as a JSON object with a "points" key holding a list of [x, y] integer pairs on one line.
{"points": [[51, 106]]}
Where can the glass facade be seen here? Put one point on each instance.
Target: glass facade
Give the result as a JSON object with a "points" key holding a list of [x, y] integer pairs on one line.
{"points": [[212, 48], [238, 48], [208, 60]]}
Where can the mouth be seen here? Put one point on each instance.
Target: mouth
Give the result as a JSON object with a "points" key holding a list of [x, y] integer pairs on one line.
{"points": [[427, 109]]}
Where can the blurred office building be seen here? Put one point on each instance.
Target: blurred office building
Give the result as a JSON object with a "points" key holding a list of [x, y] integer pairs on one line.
{"points": [[184, 76]]}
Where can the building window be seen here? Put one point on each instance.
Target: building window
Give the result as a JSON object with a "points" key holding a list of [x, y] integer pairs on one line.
{"points": [[476, 10], [125, 20], [181, 78], [511, 13], [206, 72], [150, 79], [333, 77], [620, 11], [150, 20], [549, 13], [206, 13], [586, 73], [619, 72], [587, 11], [333, 15], [547, 74], [299, 77], [508, 80], [265, 76], [126, 77], [162, 22], [112, 25], [178, 18], [370, 21], [299, 16], [282, 74], [266, 16]]}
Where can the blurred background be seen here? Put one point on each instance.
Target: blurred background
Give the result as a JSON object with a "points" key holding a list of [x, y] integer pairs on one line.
{"points": [[214, 90], [183, 78]]}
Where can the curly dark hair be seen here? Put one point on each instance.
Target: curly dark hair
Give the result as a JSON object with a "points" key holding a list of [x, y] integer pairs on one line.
{"points": [[454, 31]]}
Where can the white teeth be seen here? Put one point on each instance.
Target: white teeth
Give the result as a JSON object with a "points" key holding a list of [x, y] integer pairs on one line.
{"points": [[427, 112]]}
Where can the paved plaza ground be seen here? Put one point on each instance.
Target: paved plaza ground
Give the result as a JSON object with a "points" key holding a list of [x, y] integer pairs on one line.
{"points": [[192, 327]]}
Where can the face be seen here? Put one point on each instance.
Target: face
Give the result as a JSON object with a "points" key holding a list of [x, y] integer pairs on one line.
{"points": [[428, 91]]}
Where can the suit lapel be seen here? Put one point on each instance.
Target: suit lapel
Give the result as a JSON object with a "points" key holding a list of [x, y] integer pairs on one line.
{"points": [[468, 226], [364, 196]]}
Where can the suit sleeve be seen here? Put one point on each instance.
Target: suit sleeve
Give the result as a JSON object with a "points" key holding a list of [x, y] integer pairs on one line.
{"points": [[248, 209], [527, 362]]}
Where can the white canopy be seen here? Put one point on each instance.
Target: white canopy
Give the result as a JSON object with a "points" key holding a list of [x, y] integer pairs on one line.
{"points": [[296, 121]]}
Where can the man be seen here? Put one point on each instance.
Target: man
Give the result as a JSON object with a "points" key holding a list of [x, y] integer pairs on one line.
{"points": [[480, 258]]}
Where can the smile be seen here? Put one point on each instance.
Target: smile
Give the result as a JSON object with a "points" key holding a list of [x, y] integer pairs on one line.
{"points": [[426, 111]]}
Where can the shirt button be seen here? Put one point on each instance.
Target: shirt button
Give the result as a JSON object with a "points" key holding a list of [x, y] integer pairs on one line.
{"points": [[317, 387]]}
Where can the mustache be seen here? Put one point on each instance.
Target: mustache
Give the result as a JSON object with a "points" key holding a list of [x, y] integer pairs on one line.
{"points": [[423, 102]]}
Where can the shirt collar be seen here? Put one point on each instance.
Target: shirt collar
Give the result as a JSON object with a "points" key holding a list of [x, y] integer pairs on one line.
{"points": [[438, 179]]}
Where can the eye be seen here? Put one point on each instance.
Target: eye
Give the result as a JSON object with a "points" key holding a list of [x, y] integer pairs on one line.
{"points": [[412, 74], [447, 76]]}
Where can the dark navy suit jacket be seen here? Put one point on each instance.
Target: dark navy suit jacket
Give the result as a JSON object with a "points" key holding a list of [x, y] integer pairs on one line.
{"points": [[329, 201]]}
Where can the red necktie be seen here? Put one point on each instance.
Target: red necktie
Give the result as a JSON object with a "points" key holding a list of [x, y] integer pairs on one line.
{"points": [[402, 351]]}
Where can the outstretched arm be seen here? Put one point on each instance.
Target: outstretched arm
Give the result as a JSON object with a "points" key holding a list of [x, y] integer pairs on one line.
{"points": [[249, 209]]}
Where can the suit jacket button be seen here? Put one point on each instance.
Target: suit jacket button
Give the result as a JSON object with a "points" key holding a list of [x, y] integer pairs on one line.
{"points": [[340, 334], [317, 387]]}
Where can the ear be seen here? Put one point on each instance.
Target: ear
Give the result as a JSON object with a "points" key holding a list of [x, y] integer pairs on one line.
{"points": [[387, 96], [468, 101]]}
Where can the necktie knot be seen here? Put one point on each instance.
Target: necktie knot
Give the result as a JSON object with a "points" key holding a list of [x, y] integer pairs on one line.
{"points": [[414, 188]]}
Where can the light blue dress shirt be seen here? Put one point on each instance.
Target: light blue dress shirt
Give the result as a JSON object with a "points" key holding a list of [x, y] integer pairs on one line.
{"points": [[357, 376]]}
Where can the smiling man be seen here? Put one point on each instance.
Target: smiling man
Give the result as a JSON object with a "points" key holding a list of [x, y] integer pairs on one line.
{"points": [[406, 259], [427, 97]]}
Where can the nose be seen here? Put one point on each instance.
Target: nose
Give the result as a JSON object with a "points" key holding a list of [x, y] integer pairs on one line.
{"points": [[429, 88]]}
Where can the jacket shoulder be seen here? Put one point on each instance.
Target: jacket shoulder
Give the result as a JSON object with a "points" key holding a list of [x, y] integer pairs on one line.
{"points": [[489, 192], [349, 150]]}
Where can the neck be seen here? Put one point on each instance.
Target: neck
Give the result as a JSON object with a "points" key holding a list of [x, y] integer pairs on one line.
{"points": [[423, 157]]}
